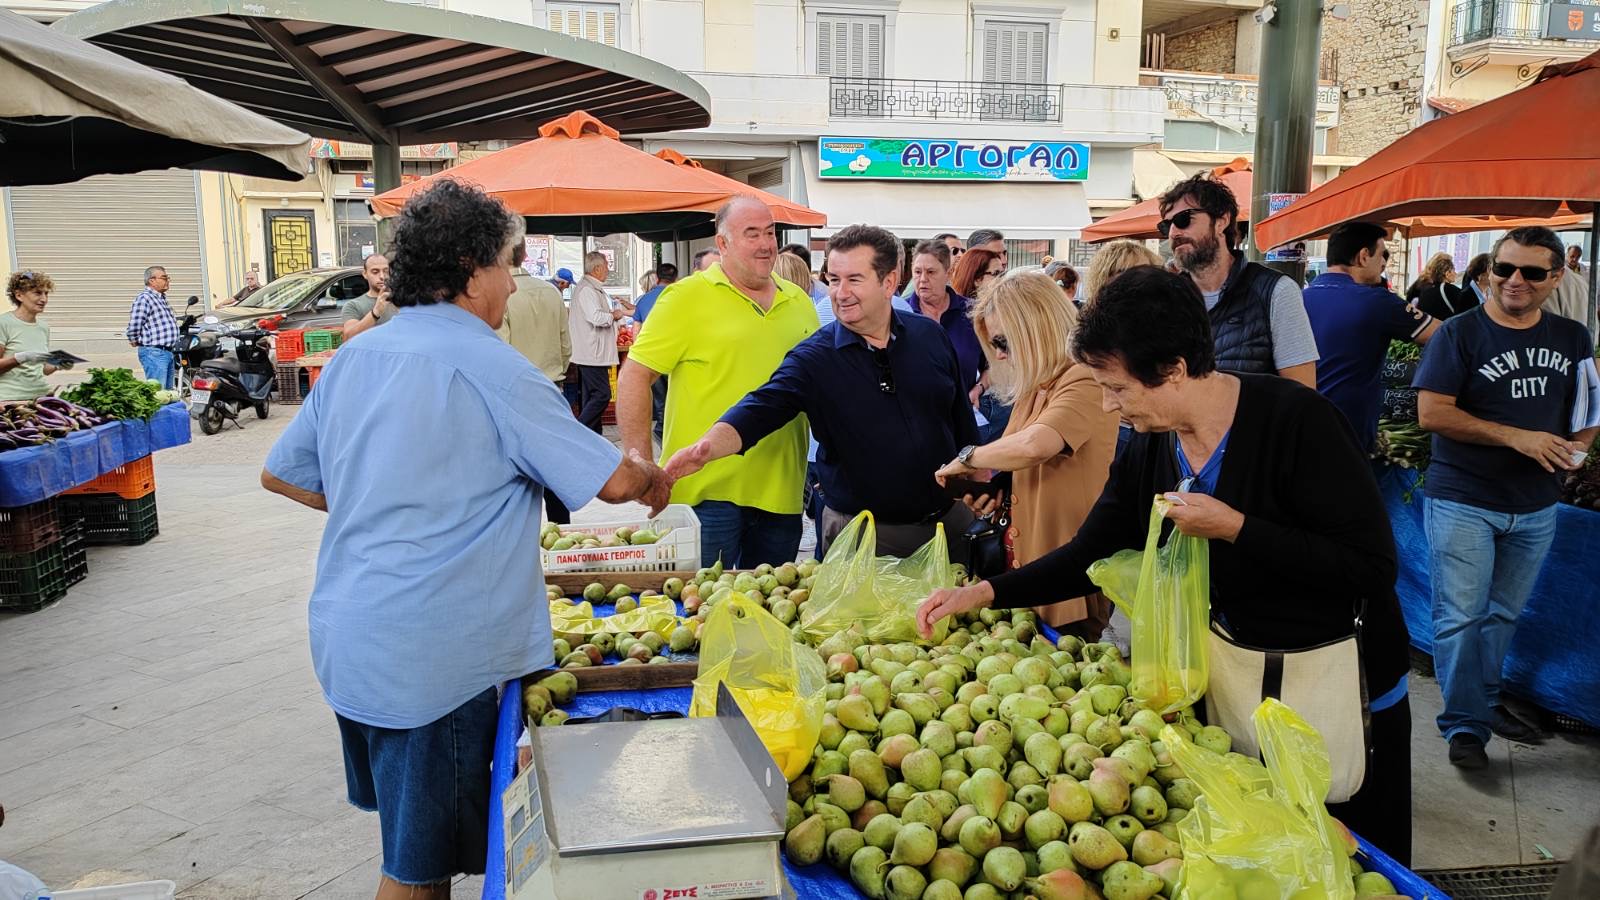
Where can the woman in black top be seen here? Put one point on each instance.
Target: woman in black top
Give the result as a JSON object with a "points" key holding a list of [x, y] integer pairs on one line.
{"points": [[1440, 297], [1297, 529]]}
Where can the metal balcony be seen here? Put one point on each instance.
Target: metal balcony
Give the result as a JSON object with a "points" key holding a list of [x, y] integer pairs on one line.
{"points": [[1513, 20], [950, 101]]}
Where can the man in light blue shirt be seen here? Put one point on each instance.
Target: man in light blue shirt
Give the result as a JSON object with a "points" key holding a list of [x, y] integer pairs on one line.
{"points": [[429, 443]]}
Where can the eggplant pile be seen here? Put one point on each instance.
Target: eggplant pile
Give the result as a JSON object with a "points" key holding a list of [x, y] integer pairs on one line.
{"points": [[27, 423]]}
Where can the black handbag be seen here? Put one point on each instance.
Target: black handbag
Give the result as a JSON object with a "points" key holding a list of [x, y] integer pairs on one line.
{"points": [[986, 542]]}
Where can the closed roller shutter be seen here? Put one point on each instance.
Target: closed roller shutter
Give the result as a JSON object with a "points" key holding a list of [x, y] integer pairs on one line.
{"points": [[95, 237]]}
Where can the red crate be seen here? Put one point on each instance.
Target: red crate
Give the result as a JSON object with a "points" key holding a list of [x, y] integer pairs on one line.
{"points": [[26, 529], [312, 373], [291, 344], [130, 482]]}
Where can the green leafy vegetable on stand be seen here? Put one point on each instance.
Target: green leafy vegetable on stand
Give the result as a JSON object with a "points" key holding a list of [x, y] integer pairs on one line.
{"points": [[117, 394], [1404, 351]]}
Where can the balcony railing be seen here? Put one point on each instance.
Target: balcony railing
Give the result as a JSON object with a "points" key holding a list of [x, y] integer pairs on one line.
{"points": [[953, 101], [1519, 20]]}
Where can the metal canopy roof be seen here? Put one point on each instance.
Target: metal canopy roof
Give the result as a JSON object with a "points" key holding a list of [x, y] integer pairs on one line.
{"points": [[392, 73]]}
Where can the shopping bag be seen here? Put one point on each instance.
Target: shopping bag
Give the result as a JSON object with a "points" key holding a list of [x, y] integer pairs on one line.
{"points": [[1165, 590], [1261, 830], [780, 685], [854, 585]]}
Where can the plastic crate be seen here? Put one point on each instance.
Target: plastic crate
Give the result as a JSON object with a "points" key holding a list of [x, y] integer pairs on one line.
{"points": [[24, 529], [312, 374], [287, 377], [144, 890], [74, 553], [130, 482], [678, 549], [109, 519], [317, 341], [32, 581], [291, 344]]}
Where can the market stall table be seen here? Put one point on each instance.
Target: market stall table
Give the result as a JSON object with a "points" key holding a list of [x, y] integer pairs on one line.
{"points": [[31, 474]]}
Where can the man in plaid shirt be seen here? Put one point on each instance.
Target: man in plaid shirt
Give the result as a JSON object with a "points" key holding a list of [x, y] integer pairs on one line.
{"points": [[152, 330]]}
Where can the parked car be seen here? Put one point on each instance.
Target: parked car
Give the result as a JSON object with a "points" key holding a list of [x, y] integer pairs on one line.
{"points": [[309, 299]]}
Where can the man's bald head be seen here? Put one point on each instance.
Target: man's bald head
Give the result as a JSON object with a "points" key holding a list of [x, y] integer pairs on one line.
{"points": [[747, 241]]}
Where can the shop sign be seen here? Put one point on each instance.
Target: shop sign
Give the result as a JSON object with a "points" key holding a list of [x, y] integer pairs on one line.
{"points": [[1572, 22], [923, 159], [1296, 252], [364, 180], [321, 148]]}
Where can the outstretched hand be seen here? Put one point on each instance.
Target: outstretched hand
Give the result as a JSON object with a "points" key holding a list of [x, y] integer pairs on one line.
{"points": [[658, 491], [949, 602], [689, 460]]}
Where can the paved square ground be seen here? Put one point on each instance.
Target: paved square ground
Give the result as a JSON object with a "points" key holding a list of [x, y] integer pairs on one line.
{"points": [[163, 720]]}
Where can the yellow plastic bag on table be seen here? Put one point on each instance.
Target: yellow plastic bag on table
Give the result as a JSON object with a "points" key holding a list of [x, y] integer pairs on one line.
{"points": [[780, 685], [855, 585], [1165, 590], [1261, 831], [655, 612]]}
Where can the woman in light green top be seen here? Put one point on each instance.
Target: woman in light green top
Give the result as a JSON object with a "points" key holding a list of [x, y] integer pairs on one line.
{"points": [[25, 337]]}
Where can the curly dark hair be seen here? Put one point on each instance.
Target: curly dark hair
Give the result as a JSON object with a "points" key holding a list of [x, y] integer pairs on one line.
{"points": [[1212, 196], [1148, 318], [445, 234], [27, 280]]}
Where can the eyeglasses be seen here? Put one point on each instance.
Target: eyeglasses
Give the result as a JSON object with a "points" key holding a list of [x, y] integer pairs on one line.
{"points": [[1386, 254], [999, 343], [1181, 221], [880, 355], [955, 252], [1529, 273]]}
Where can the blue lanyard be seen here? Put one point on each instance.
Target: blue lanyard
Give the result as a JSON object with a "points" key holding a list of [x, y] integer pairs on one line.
{"points": [[1204, 481]]}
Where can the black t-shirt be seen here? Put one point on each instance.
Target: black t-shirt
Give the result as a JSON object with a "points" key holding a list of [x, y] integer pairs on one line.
{"points": [[1523, 377]]}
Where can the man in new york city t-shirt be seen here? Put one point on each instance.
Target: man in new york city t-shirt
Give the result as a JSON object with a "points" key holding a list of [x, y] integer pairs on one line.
{"points": [[1497, 389]]}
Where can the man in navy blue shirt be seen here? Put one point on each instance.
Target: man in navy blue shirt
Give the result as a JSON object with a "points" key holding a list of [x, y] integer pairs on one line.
{"points": [[1354, 319], [884, 395], [1499, 389]]}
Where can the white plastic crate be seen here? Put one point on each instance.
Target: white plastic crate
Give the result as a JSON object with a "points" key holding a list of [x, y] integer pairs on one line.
{"points": [[678, 550], [144, 890]]}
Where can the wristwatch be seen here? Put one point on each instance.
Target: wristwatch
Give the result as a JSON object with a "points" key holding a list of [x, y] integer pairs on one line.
{"points": [[965, 456]]}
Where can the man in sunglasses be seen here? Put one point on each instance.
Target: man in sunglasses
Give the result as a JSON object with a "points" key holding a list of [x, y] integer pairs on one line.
{"points": [[1354, 318], [1499, 388], [884, 396], [1258, 320]]}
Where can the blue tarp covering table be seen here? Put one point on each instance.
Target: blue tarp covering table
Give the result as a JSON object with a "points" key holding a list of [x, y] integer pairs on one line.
{"points": [[816, 882], [31, 474], [1554, 658]]}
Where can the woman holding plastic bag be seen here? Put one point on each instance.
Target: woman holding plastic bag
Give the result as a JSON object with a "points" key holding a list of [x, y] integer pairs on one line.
{"points": [[1301, 552]]}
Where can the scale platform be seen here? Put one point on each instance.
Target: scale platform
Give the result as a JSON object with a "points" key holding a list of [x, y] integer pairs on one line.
{"points": [[650, 810]]}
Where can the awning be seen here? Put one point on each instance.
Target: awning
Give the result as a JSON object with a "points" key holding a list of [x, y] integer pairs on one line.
{"points": [[1022, 210], [1153, 173]]}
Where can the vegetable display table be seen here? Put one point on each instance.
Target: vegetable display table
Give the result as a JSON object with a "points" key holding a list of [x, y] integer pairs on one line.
{"points": [[1554, 658], [31, 474]]}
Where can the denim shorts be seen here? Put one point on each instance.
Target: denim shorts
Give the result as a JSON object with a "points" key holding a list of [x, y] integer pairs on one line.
{"points": [[430, 788]]}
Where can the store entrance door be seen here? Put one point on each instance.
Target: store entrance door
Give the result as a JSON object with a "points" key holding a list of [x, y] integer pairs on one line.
{"points": [[291, 241]]}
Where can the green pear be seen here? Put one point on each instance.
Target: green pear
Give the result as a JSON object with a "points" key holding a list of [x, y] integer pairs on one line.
{"points": [[1148, 806], [899, 794], [979, 835], [988, 792], [1127, 881], [844, 792], [1011, 819], [1213, 738], [896, 721], [1043, 752], [1005, 868], [921, 809], [1033, 797], [1182, 793], [921, 769], [904, 883], [803, 844], [914, 845], [1043, 827], [854, 711], [868, 869], [1109, 790], [939, 737], [1078, 760], [1055, 855], [841, 845], [880, 831], [954, 865], [869, 810], [1168, 871], [1372, 884], [866, 767], [1151, 847], [950, 831], [1093, 847], [1070, 799], [833, 818], [1124, 828]]}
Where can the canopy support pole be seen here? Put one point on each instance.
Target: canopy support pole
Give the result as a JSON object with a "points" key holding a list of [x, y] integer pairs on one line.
{"points": [[1286, 112], [385, 177], [1594, 271]]}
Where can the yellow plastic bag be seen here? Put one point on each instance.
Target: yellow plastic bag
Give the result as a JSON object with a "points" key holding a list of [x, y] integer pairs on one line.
{"points": [[1262, 831], [780, 685], [1166, 591], [655, 612], [854, 585]]}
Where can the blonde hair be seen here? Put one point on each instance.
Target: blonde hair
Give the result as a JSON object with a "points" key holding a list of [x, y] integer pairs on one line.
{"points": [[1112, 260], [1439, 266], [1037, 319], [792, 268]]}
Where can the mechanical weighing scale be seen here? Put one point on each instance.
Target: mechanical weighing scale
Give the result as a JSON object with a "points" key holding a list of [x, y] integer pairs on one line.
{"points": [[651, 810]]}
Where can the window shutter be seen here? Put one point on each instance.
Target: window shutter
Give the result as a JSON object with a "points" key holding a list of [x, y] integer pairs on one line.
{"points": [[1015, 52], [850, 46], [596, 22]]}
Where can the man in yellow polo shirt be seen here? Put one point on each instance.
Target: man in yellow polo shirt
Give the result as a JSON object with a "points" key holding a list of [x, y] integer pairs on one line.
{"points": [[718, 335]]}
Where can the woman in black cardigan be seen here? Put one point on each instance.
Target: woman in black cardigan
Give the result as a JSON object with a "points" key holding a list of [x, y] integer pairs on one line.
{"points": [[1297, 528]]}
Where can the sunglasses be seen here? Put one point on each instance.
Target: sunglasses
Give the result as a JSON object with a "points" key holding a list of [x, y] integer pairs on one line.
{"points": [[880, 355], [1529, 273], [1181, 221], [999, 343]]}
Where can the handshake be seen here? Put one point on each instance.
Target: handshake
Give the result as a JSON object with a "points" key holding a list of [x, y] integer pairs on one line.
{"points": [[658, 481]]}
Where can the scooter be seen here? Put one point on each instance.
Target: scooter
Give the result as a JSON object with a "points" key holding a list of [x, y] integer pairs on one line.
{"points": [[241, 377], [194, 346]]}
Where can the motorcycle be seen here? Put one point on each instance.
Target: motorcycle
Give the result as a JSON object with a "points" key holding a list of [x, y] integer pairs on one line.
{"points": [[241, 377], [194, 346]]}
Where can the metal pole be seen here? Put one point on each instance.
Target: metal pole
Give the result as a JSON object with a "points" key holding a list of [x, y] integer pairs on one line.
{"points": [[1594, 272], [385, 177], [1286, 109]]}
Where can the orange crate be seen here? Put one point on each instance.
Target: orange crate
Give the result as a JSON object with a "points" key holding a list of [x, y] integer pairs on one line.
{"points": [[130, 482], [291, 344], [312, 373]]}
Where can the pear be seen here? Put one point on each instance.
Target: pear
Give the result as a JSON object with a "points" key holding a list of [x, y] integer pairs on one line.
{"points": [[914, 845], [1057, 722], [1168, 871], [958, 716], [1059, 884], [941, 889], [1124, 828], [983, 756], [1148, 806], [1093, 675], [851, 742], [1078, 761], [1119, 767], [869, 810], [896, 721], [880, 832], [922, 707], [1093, 847], [904, 883], [876, 690], [1043, 752], [899, 794], [894, 749], [1127, 881], [1043, 827], [1070, 799], [1011, 819], [1104, 733], [1139, 755], [854, 711], [1033, 797], [954, 865], [803, 843], [1109, 790], [943, 801], [832, 732], [1213, 738], [1055, 855], [1081, 719], [993, 733], [844, 792], [1005, 868], [1023, 775], [939, 737], [1372, 884], [1005, 685], [979, 835], [868, 868], [989, 792], [921, 809], [950, 831], [905, 683], [833, 818], [1022, 706], [1169, 831], [984, 707], [1182, 793], [841, 845], [1107, 697], [1149, 722], [794, 815], [921, 769], [867, 768], [1151, 847]]}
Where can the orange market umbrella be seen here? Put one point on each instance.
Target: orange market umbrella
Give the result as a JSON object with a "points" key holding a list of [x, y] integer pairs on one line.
{"points": [[578, 177], [1139, 221], [784, 211], [1522, 154]]}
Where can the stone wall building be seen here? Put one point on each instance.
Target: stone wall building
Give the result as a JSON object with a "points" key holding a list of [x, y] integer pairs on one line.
{"points": [[1207, 49], [1379, 50]]}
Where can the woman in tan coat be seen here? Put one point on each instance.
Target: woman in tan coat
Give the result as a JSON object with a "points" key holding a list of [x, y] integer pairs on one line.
{"points": [[1060, 440]]}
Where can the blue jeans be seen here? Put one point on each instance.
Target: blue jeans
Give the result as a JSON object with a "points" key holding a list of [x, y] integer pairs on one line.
{"points": [[157, 365], [998, 414], [1484, 564], [745, 537]]}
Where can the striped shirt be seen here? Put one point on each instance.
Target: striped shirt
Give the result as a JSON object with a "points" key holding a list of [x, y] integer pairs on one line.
{"points": [[151, 323]]}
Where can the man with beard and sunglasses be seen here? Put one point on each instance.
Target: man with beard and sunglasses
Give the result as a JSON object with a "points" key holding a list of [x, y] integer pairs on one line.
{"points": [[885, 397], [1354, 318], [1258, 320], [1510, 393]]}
